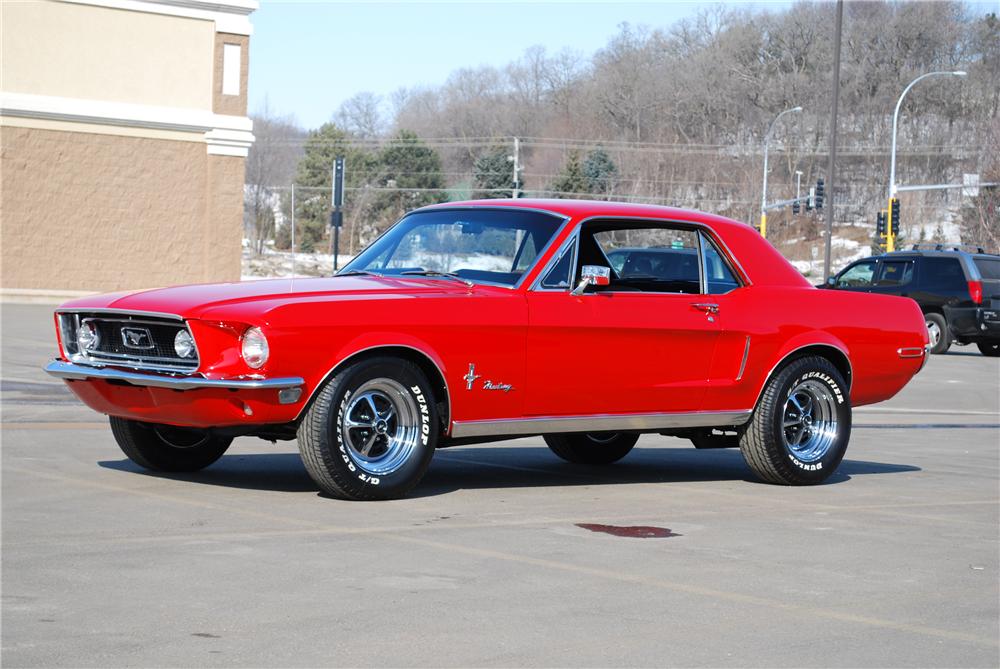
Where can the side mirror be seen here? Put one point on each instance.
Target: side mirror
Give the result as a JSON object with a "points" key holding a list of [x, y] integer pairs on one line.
{"points": [[592, 275], [831, 281]]}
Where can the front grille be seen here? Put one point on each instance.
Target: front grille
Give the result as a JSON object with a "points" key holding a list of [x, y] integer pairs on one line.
{"points": [[139, 341]]}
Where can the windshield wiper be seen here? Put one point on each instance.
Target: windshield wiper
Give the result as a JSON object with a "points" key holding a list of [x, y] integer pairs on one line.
{"points": [[445, 275], [359, 272]]}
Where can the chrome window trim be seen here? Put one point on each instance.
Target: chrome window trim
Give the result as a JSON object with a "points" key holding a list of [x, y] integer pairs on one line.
{"points": [[743, 277], [77, 372], [726, 254], [569, 245], [435, 208], [598, 423]]}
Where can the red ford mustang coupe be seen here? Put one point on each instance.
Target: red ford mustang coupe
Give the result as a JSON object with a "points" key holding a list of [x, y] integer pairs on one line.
{"points": [[588, 323]]}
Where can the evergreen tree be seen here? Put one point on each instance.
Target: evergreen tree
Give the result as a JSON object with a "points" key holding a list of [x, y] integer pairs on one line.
{"points": [[411, 171], [494, 174], [314, 179], [571, 182], [601, 172]]}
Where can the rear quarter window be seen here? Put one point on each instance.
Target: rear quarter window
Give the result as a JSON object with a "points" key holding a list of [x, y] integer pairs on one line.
{"points": [[989, 268], [942, 274]]}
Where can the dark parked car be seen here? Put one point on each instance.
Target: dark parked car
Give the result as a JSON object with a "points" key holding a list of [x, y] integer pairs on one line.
{"points": [[957, 288]]}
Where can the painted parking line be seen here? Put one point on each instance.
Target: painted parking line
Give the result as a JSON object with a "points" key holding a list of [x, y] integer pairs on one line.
{"points": [[949, 412]]}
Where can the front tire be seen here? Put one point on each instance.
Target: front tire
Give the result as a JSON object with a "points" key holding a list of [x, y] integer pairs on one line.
{"points": [[799, 432], [163, 448], [937, 332], [371, 432], [990, 349], [591, 448]]}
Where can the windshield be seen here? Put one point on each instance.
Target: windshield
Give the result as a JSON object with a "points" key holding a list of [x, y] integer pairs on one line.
{"points": [[495, 246]]}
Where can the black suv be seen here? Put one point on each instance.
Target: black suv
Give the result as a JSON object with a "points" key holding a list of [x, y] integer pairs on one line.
{"points": [[957, 289]]}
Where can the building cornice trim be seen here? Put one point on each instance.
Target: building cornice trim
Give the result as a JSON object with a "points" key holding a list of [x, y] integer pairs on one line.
{"points": [[230, 16], [231, 134]]}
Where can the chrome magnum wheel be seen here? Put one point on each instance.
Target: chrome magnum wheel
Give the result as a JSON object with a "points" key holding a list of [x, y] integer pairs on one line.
{"points": [[800, 429], [371, 431], [809, 425], [381, 426]]}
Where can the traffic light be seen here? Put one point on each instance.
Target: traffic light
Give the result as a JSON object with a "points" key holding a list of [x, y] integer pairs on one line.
{"points": [[894, 216], [880, 224], [795, 208], [820, 192]]}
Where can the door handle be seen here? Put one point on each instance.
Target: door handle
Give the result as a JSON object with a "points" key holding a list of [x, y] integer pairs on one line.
{"points": [[706, 307]]}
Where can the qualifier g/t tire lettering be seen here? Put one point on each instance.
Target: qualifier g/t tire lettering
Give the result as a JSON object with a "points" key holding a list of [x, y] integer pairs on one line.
{"points": [[798, 433]]}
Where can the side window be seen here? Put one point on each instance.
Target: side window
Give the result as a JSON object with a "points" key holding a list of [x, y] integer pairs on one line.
{"points": [[942, 274], [654, 259], [895, 273], [559, 275], [719, 278], [857, 276]]}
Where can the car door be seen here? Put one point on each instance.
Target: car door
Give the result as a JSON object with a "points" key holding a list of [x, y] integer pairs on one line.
{"points": [[643, 344], [895, 276]]}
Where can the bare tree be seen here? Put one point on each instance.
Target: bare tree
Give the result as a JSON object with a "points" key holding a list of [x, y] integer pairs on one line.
{"points": [[361, 115], [271, 163]]}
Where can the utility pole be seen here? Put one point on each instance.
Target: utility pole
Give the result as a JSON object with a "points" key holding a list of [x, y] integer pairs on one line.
{"points": [[763, 198], [293, 228], [832, 158], [515, 191]]}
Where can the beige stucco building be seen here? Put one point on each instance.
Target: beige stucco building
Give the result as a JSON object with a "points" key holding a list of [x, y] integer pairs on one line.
{"points": [[123, 135]]}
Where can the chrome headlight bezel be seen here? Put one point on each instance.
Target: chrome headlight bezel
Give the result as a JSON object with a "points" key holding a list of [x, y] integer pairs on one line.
{"points": [[88, 338], [184, 345], [254, 348]]}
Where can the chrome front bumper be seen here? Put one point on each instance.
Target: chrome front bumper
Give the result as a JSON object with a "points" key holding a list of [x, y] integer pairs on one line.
{"points": [[74, 372]]}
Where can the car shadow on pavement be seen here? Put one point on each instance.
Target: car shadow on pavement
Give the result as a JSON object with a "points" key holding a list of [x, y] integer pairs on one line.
{"points": [[486, 467]]}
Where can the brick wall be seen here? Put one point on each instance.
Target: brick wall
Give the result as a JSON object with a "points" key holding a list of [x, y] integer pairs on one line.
{"points": [[85, 211]]}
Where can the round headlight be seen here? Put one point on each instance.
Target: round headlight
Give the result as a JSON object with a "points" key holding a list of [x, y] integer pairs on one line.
{"points": [[87, 337], [255, 349], [184, 344]]}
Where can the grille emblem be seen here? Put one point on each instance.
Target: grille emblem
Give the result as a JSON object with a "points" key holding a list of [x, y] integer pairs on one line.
{"points": [[138, 338]]}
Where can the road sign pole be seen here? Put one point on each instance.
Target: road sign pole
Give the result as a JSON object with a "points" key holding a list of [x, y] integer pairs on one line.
{"points": [[337, 200]]}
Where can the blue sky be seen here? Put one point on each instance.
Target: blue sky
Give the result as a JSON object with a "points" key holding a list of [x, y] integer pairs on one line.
{"points": [[307, 57]]}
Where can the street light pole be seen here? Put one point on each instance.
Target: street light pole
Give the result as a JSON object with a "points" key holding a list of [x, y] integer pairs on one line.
{"points": [[831, 160], [763, 197], [890, 238]]}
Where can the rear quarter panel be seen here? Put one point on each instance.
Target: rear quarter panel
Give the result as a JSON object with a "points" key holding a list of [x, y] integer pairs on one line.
{"points": [[869, 329]]}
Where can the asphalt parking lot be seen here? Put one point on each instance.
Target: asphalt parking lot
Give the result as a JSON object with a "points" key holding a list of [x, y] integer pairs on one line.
{"points": [[894, 562]]}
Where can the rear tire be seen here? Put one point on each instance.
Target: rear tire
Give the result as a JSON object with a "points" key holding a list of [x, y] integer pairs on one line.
{"points": [[937, 331], [372, 430], [799, 432], [163, 448], [591, 448], [990, 349]]}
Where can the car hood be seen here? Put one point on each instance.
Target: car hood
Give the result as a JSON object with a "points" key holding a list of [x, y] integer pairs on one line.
{"points": [[195, 301]]}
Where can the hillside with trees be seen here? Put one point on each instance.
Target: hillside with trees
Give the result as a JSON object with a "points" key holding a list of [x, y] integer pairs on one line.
{"points": [[676, 115]]}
